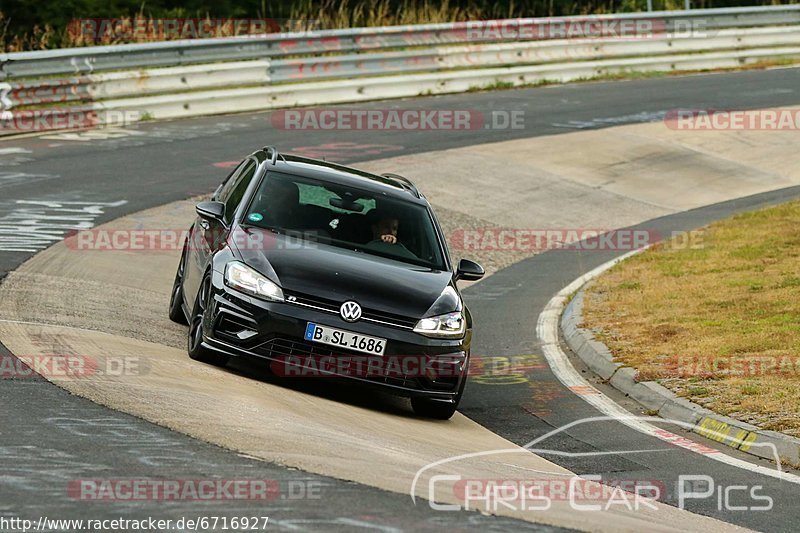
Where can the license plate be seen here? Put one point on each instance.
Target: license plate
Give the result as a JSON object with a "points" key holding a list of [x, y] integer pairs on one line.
{"points": [[345, 339]]}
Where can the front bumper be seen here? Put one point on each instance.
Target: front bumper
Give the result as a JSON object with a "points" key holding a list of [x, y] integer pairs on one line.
{"points": [[412, 365]]}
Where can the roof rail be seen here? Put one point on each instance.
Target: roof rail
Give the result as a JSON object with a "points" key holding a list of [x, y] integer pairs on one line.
{"points": [[273, 154], [404, 182]]}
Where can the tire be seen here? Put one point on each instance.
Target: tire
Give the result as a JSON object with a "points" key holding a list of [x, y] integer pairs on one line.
{"points": [[438, 410], [176, 313], [427, 408], [195, 336]]}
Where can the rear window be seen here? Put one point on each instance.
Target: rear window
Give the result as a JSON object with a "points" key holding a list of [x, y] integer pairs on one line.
{"points": [[321, 197], [346, 217]]}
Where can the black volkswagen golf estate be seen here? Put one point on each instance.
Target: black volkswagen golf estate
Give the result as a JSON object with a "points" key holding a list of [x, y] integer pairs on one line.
{"points": [[325, 270]]}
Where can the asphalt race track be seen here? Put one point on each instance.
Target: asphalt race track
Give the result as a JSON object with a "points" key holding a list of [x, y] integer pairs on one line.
{"points": [[153, 164], [515, 413]]}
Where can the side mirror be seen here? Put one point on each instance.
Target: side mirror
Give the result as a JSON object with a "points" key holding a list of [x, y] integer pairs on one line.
{"points": [[211, 211], [469, 271]]}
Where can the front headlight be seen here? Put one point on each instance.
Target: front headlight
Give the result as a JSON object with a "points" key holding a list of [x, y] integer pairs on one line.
{"points": [[450, 325], [243, 278]]}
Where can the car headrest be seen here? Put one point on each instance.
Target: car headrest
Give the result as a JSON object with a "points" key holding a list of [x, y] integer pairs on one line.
{"points": [[281, 191]]}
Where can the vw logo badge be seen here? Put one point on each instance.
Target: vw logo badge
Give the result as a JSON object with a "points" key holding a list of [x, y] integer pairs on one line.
{"points": [[350, 311]]}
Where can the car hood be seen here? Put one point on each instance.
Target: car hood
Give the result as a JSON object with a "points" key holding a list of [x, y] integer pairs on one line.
{"points": [[327, 272]]}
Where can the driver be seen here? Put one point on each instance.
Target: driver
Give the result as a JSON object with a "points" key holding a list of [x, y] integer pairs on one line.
{"points": [[384, 235], [385, 229]]}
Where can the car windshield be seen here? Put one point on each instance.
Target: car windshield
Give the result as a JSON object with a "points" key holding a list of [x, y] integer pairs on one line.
{"points": [[346, 217]]}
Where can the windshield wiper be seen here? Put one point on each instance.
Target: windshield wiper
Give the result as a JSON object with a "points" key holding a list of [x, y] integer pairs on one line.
{"points": [[246, 226]]}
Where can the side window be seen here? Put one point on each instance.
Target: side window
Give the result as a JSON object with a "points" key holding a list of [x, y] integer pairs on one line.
{"points": [[225, 188], [237, 190]]}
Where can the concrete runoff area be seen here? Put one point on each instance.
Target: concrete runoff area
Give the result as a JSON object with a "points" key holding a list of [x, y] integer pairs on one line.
{"points": [[607, 178], [373, 442], [98, 304]]}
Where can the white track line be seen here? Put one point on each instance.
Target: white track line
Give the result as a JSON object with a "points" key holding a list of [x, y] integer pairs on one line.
{"points": [[547, 331]]}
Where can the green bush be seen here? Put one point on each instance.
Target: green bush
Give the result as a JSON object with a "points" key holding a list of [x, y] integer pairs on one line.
{"points": [[26, 25]]}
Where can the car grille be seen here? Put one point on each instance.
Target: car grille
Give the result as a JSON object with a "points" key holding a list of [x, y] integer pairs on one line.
{"points": [[279, 348], [332, 306]]}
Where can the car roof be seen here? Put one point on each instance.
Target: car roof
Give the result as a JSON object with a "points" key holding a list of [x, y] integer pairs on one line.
{"points": [[389, 184]]}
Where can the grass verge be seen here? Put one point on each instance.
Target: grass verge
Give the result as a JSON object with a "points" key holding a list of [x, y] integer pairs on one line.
{"points": [[716, 321]]}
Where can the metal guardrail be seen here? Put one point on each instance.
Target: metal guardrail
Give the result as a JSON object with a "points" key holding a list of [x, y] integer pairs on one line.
{"points": [[353, 64], [154, 81]]}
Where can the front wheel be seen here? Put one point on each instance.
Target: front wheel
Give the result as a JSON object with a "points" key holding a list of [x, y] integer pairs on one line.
{"points": [[176, 313], [195, 339], [428, 408]]}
